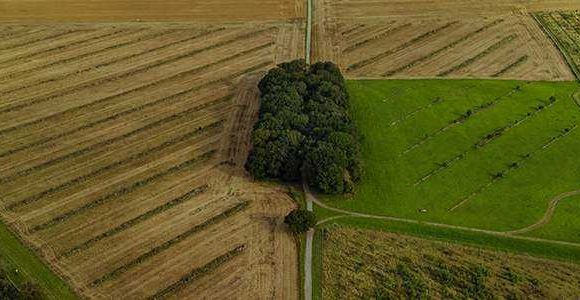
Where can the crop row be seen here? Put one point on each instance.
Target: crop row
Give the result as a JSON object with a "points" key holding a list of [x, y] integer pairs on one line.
{"points": [[77, 153], [461, 119], [78, 57], [496, 177], [382, 55], [147, 152], [511, 66], [19, 34], [122, 191], [486, 139], [443, 49], [64, 46], [41, 39], [181, 74], [162, 47], [192, 194], [353, 29], [418, 110], [198, 272], [167, 244], [496, 46], [376, 37], [131, 72]]}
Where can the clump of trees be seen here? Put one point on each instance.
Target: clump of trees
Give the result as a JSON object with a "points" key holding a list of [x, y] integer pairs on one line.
{"points": [[305, 131], [300, 220]]}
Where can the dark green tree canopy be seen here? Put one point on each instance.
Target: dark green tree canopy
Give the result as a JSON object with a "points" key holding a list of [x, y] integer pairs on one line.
{"points": [[305, 131], [300, 220]]}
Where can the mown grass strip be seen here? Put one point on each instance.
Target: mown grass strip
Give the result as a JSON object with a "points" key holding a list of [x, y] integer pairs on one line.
{"points": [[104, 143], [23, 265], [117, 164], [130, 72], [166, 245], [513, 166], [382, 55], [461, 119], [64, 46], [375, 38], [122, 191], [192, 194], [42, 39], [511, 66], [149, 85], [496, 46], [443, 49], [483, 141], [198, 272]]}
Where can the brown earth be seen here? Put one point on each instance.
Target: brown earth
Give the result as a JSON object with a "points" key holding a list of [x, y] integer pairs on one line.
{"points": [[122, 152], [215, 11], [430, 39]]}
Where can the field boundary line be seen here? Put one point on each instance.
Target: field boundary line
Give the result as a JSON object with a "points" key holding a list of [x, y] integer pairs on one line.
{"points": [[546, 30], [434, 224]]}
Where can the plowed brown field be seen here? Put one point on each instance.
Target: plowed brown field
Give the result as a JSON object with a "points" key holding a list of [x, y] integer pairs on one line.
{"points": [[457, 39], [122, 151]]}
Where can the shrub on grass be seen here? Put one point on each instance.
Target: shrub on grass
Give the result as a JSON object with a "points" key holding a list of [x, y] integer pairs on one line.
{"points": [[300, 220]]}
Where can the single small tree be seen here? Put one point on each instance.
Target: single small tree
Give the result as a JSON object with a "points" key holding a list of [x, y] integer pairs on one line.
{"points": [[300, 220]]}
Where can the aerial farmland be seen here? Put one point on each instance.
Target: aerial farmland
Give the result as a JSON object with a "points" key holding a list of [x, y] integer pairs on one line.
{"points": [[126, 128]]}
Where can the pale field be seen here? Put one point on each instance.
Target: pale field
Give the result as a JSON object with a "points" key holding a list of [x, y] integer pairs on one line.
{"points": [[443, 39], [122, 152], [214, 11]]}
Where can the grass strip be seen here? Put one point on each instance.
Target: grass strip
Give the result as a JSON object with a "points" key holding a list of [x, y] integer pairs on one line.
{"points": [[122, 191], [560, 252], [497, 45], [23, 265], [192, 194], [166, 245], [198, 272]]}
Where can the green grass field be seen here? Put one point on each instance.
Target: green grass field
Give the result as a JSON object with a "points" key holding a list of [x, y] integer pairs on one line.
{"points": [[22, 265], [476, 153]]}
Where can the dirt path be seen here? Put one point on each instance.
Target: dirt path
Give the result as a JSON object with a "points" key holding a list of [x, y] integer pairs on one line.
{"points": [[440, 225], [308, 249], [548, 215]]}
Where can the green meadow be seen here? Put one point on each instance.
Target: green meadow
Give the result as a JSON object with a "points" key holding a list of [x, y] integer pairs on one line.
{"points": [[485, 154]]}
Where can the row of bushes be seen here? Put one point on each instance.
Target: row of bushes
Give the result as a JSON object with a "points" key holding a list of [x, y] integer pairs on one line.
{"points": [[304, 131]]}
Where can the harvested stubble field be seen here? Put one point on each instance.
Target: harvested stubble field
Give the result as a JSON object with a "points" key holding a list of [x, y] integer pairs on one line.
{"points": [[564, 28], [121, 153], [220, 11], [457, 39], [361, 264]]}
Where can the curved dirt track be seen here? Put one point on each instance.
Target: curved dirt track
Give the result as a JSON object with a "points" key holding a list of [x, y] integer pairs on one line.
{"points": [[548, 215]]}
